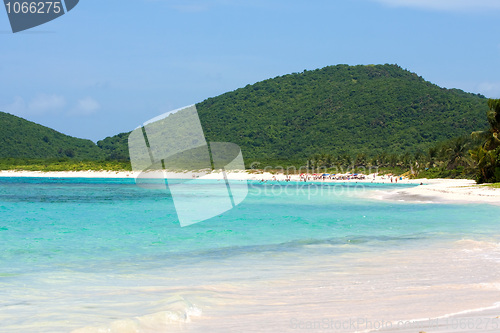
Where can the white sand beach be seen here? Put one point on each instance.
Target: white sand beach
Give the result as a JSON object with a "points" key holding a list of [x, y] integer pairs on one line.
{"points": [[486, 320], [241, 175], [448, 190], [392, 267], [67, 174]]}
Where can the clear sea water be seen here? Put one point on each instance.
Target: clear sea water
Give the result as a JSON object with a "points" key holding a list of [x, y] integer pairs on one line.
{"points": [[103, 255]]}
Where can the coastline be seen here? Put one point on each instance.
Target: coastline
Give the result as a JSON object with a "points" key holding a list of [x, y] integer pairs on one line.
{"points": [[486, 319], [429, 190], [67, 174], [241, 175], [445, 191]]}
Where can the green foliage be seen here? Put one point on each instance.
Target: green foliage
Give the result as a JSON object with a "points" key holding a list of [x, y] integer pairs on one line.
{"points": [[494, 185], [336, 110], [487, 156], [447, 159], [115, 147], [62, 164], [340, 109], [339, 116], [20, 138]]}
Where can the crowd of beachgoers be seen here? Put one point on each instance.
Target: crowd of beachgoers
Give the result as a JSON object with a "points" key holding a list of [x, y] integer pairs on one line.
{"points": [[451, 189], [305, 177]]}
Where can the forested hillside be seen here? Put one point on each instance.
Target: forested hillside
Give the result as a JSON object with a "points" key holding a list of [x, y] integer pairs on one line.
{"points": [[335, 110], [341, 109], [20, 138]]}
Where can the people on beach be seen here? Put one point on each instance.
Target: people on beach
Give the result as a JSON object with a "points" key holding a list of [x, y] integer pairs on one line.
{"points": [[326, 177]]}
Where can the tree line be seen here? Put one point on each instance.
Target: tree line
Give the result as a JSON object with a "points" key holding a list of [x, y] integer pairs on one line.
{"points": [[469, 156]]}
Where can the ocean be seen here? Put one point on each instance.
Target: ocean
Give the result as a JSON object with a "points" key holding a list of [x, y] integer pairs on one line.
{"points": [[104, 255]]}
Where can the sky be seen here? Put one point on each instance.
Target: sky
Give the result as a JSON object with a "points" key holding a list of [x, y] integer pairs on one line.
{"points": [[108, 66]]}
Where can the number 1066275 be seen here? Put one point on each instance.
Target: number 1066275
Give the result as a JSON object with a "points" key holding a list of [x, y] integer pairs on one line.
{"points": [[41, 7]]}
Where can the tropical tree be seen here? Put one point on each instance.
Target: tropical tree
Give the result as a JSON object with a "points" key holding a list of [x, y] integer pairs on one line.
{"points": [[494, 119], [432, 156], [487, 164], [487, 156], [361, 160], [457, 153]]}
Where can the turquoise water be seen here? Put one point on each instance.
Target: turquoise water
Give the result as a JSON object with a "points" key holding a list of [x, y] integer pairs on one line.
{"points": [[84, 254]]}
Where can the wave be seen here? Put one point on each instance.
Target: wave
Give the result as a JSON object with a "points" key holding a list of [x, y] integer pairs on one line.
{"points": [[330, 246], [177, 313], [430, 323], [403, 196]]}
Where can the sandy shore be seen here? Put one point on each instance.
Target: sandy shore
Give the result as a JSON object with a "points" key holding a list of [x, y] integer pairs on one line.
{"points": [[67, 174], [433, 190], [243, 175], [448, 190], [486, 320]]}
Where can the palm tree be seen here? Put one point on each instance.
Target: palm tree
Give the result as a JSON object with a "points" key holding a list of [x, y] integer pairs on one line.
{"points": [[487, 157], [457, 153], [491, 136], [486, 161], [432, 155], [494, 120], [360, 160]]}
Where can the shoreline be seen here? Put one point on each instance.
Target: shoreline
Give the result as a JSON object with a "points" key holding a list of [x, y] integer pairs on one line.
{"points": [[485, 319], [429, 190], [445, 191], [240, 175], [66, 174]]}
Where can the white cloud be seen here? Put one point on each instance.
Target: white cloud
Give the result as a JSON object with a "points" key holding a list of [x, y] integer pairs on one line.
{"points": [[489, 89], [41, 104], [85, 107], [445, 5], [18, 107], [44, 104]]}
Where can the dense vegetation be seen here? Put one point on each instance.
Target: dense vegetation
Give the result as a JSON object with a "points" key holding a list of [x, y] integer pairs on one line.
{"points": [[20, 138], [336, 110], [62, 164], [336, 117], [470, 156], [448, 159], [115, 147], [487, 155], [340, 110]]}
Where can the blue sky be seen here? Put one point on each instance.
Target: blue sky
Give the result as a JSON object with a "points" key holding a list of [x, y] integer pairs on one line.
{"points": [[109, 65]]}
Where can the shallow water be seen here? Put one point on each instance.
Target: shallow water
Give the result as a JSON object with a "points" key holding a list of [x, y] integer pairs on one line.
{"points": [[94, 255]]}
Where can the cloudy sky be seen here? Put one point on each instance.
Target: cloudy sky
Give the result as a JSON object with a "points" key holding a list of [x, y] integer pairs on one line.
{"points": [[109, 66]]}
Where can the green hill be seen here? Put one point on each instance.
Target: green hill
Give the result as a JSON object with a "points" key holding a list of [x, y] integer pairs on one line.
{"points": [[335, 110], [340, 109], [20, 138], [115, 147]]}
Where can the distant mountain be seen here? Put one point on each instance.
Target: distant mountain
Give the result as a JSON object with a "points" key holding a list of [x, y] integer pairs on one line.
{"points": [[335, 110], [20, 138], [115, 147]]}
